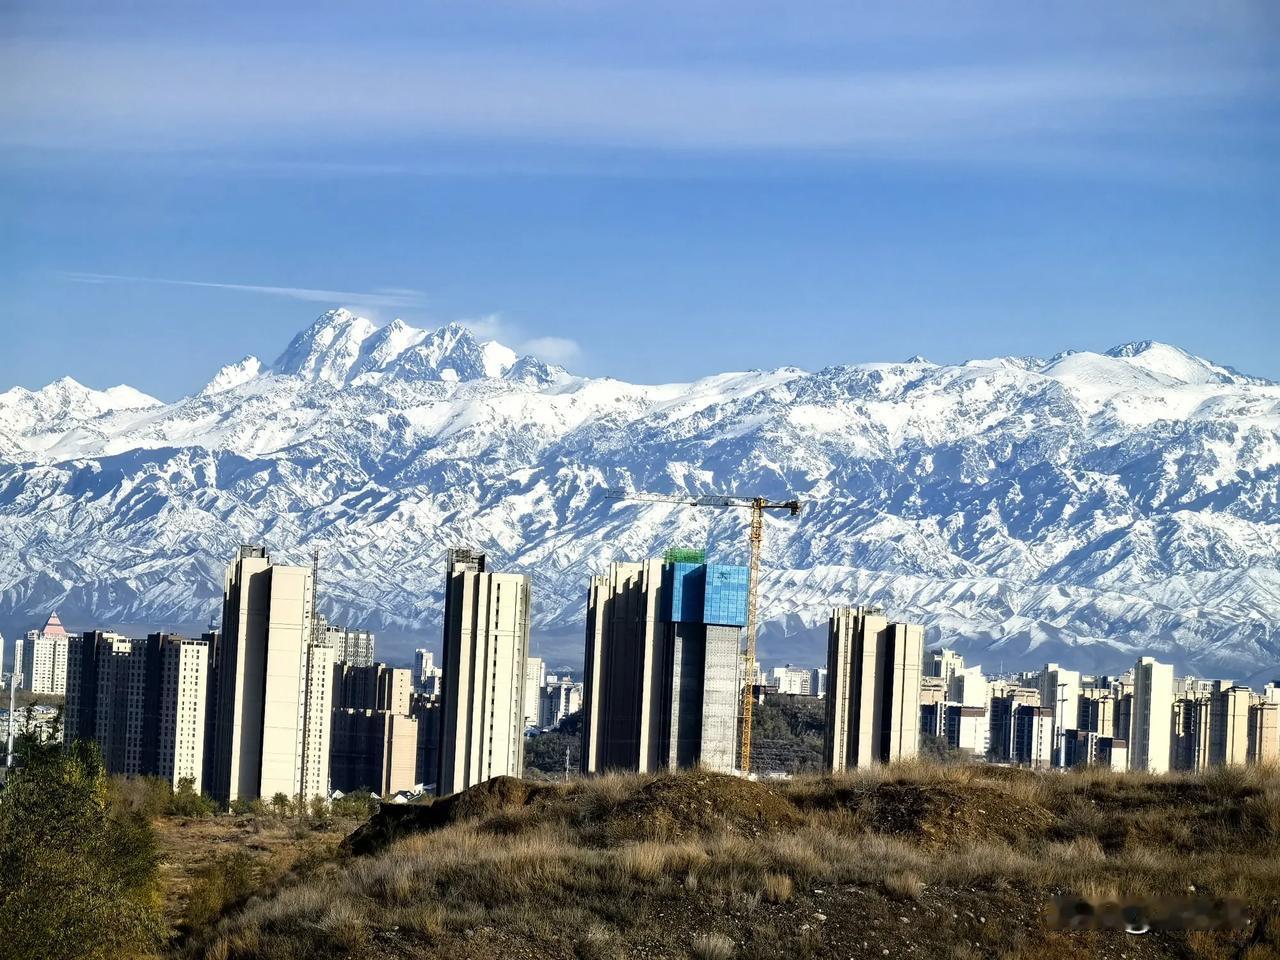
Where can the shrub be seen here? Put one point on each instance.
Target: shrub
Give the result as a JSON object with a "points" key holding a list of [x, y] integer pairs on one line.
{"points": [[219, 884], [185, 802], [80, 873]]}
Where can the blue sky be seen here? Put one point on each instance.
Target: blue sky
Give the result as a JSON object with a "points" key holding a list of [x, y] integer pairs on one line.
{"points": [[651, 191]]}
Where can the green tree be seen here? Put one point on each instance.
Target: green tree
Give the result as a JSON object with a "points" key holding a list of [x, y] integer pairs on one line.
{"points": [[280, 804], [79, 873], [185, 802]]}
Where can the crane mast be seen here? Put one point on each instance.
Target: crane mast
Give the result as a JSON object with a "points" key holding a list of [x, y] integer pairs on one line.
{"points": [[757, 506]]}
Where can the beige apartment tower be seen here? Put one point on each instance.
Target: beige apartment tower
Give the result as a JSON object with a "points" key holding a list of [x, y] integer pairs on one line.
{"points": [[1151, 720], [375, 736], [1264, 732], [42, 658], [486, 645], [873, 689], [142, 701], [275, 685]]}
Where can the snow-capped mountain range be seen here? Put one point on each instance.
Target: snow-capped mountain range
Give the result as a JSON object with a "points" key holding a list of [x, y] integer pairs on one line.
{"points": [[1087, 508]]}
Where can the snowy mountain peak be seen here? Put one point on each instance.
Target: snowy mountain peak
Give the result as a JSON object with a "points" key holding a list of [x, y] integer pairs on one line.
{"points": [[1087, 508], [327, 349], [1133, 349], [232, 375], [1166, 361], [340, 348], [68, 398]]}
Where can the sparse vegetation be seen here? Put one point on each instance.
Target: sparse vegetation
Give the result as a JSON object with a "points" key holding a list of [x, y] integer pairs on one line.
{"points": [[544, 752], [78, 873], [951, 860]]}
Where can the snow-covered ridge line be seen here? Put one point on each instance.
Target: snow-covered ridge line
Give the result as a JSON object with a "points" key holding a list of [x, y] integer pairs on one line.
{"points": [[1084, 505]]}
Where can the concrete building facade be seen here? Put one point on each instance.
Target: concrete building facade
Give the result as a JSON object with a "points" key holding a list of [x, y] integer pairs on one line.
{"points": [[349, 645], [486, 646], [556, 700], [275, 684], [373, 750], [663, 666], [534, 675], [1151, 721], [1060, 692], [873, 689], [1264, 732], [1033, 736], [43, 658], [144, 702]]}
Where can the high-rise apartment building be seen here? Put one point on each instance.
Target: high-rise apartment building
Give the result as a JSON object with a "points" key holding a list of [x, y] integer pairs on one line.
{"points": [[1184, 733], [1089, 748], [143, 701], [426, 675], [1264, 731], [106, 675], [1033, 736], [557, 699], [275, 684], [1096, 712], [1060, 692], [375, 687], [1224, 721], [1000, 719], [942, 663], [873, 689], [1151, 721], [374, 740], [43, 658], [373, 750], [663, 667], [534, 675], [793, 680], [967, 729], [349, 645], [486, 645]]}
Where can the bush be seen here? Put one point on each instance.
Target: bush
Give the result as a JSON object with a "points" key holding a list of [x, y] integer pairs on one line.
{"points": [[79, 872], [185, 802], [354, 806], [219, 884]]}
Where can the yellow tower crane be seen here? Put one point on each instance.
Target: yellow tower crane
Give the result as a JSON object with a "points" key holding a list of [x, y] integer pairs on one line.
{"points": [[757, 506]]}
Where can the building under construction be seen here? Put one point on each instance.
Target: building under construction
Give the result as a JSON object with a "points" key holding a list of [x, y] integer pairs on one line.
{"points": [[663, 660]]}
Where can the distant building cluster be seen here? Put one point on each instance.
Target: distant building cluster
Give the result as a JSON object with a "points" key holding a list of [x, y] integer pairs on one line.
{"points": [[280, 701], [1144, 720]]}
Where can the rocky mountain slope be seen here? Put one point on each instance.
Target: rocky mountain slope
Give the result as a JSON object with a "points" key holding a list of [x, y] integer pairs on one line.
{"points": [[1086, 508]]}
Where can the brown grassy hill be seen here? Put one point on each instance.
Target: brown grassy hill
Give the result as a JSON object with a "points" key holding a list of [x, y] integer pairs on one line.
{"points": [[913, 861]]}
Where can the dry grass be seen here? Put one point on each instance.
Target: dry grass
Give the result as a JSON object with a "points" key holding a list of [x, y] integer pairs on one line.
{"points": [[904, 886], [711, 946], [584, 871]]}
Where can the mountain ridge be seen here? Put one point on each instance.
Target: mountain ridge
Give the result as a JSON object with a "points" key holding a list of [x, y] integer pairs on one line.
{"points": [[1091, 505]]}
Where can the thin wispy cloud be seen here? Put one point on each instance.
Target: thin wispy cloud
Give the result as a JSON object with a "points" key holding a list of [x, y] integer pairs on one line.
{"points": [[148, 95], [564, 351], [386, 297]]}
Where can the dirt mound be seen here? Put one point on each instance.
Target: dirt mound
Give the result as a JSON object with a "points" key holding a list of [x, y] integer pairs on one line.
{"points": [[499, 795], [393, 821], [687, 805], [936, 814]]}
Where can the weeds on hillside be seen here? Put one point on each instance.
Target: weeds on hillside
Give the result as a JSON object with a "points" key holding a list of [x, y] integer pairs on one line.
{"points": [[593, 864]]}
